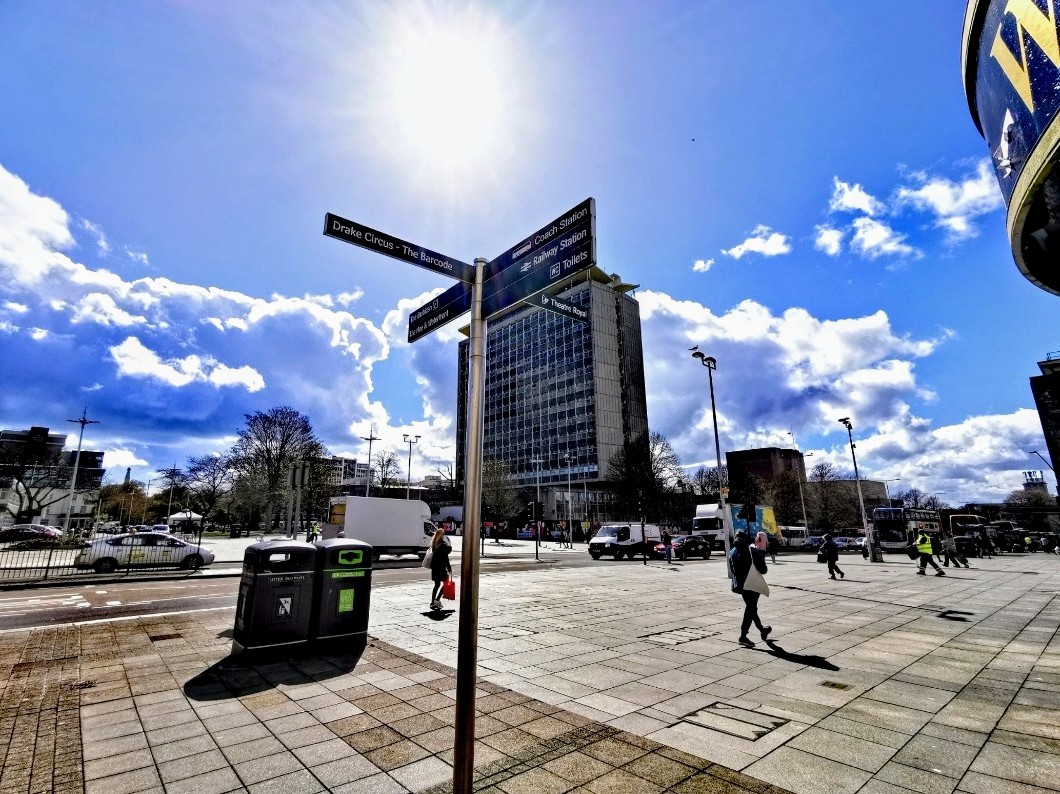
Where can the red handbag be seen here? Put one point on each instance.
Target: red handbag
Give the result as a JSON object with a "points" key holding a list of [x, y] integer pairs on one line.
{"points": [[449, 589]]}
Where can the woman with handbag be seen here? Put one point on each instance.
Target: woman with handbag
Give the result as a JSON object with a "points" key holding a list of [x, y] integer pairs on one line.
{"points": [[748, 565], [441, 570]]}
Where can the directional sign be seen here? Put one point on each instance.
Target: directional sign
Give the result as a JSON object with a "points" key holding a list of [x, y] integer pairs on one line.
{"points": [[567, 255], [560, 306], [381, 243], [450, 304], [584, 212]]}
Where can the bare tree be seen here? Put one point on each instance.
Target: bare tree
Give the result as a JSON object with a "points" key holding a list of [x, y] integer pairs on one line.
{"points": [[267, 448], [387, 469], [38, 478], [209, 480], [1030, 498], [705, 481], [500, 497]]}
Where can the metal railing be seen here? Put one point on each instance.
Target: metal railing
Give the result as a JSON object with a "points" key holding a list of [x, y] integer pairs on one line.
{"points": [[34, 560]]}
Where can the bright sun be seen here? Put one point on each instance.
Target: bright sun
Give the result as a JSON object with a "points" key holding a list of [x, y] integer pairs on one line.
{"points": [[444, 93]]}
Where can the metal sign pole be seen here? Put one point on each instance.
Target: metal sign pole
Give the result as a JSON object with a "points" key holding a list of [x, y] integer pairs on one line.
{"points": [[467, 642]]}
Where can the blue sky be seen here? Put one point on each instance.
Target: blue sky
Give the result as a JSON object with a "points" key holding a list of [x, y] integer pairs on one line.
{"points": [[798, 188]]}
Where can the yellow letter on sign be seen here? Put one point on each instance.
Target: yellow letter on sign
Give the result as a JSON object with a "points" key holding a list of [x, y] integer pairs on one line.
{"points": [[1042, 30]]}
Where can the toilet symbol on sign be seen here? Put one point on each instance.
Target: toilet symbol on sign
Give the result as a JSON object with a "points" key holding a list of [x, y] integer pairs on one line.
{"points": [[283, 607]]}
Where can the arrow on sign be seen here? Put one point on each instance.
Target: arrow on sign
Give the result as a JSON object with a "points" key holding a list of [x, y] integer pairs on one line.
{"points": [[560, 306]]}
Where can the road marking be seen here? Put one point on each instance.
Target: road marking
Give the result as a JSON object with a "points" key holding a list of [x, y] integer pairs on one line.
{"points": [[118, 618]]}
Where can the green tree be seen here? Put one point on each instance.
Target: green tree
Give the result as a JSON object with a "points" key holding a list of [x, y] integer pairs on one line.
{"points": [[500, 497], [209, 480]]}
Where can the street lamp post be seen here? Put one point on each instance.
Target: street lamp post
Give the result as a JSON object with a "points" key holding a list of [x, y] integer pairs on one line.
{"points": [[869, 535], [570, 505], [798, 475], [147, 495], [887, 491], [408, 483], [84, 420], [369, 438], [535, 516], [712, 364], [1047, 463]]}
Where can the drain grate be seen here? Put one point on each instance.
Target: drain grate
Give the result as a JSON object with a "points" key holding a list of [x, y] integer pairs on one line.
{"points": [[678, 636], [160, 637], [735, 721]]}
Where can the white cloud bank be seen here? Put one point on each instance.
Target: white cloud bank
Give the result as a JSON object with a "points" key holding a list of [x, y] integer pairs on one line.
{"points": [[764, 241]]}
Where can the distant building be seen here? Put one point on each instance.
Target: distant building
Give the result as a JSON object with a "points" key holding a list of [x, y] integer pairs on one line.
{"points": [[562, 397], [347, 476], [1046, 391], [766, 464], [33, 463]]}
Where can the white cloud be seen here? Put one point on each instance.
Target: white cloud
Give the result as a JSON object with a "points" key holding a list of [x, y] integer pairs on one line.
{"points": [[17, 308], [100, 308], [874, 239], [121, 459], [828, 239], [139, 257], [102, 245], [135, 360], [702, 265], [346, 298], [853, 198], [764, 241], [955, 205]]}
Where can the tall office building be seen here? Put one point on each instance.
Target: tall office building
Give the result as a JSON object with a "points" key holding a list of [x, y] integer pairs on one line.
{"points": [[562, 397]]}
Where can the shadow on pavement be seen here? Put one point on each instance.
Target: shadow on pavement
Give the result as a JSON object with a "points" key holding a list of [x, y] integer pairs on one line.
{"points": [[810, 661], [259, 670], [438, 614]]}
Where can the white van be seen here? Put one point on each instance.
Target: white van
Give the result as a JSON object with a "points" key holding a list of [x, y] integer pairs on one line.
{"points": [[620, 540]]}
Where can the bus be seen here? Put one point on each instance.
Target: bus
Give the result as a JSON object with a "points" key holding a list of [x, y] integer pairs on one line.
{"points": [[897, 527]]}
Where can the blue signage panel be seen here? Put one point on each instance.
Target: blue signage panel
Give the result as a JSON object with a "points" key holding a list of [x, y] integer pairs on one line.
{"points": [[433, 315], [387, 244], [568, 254], [559, 306], [1017, 85]]}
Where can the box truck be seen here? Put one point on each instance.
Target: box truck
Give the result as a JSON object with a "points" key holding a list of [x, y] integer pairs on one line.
{"points": [[708, 522], [391, 526], [620, 539]]}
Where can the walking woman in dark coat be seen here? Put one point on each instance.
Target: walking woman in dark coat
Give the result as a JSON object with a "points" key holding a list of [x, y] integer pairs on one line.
{"points": [[742, 557], [831, 554], [441, 570]]}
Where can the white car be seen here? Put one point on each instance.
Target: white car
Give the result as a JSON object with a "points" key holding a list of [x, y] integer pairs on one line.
{"points": [[142, 549]]}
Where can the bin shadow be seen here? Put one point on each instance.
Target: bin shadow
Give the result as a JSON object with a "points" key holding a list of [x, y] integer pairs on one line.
{"points": [[438, 614], [258, 670], [810, 661]]}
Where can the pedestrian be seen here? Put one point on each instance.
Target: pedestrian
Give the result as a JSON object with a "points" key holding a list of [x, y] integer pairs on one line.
{"points": [[667, 545], [949, 553], [748, 566], [831, 556], [923, 551], [936, 547], [773, 544], [441, 570]]}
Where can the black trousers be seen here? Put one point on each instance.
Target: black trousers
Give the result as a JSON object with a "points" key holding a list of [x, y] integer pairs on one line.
{"points": [[833, 569], [750, 612], [925, 559]]}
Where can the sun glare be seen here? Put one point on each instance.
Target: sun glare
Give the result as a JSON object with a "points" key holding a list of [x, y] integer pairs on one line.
{"points": [[443, 96]]}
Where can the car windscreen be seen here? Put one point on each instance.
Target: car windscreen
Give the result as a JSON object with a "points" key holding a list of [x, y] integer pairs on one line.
{"points": [[607, 532]]}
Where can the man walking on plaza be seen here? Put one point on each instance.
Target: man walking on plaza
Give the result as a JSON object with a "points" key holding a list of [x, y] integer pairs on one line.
{"points": [[924, 553]]}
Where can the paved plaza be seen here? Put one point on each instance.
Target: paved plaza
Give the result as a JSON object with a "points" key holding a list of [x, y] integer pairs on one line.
{"points": [[623, 677]]}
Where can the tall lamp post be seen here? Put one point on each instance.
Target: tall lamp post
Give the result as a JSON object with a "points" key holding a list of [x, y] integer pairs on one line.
{"points": [[84, 420], [408, 483], [798, 474], [147, 495], [870, 536], [570, 505], [534, 516], [887, 491], [712, 364], [369, 438]]}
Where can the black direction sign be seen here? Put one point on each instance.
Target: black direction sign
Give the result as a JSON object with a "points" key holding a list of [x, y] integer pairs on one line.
{"points": [[567, 255], [560, 306], [433, 315], [382, 243], [586, 211]]}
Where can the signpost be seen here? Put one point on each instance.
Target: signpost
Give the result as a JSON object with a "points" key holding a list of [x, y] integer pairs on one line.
{"points": [[557, 251], [388, 245]]}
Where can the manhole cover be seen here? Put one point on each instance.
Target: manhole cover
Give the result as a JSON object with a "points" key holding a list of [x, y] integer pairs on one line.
{"points": [[735, 721]]}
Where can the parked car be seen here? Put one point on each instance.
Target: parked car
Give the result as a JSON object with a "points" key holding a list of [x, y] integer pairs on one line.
{"points": [[29, 532], [164, 528], [843, 543], [106, 555], [812, 542], [685, 546]]}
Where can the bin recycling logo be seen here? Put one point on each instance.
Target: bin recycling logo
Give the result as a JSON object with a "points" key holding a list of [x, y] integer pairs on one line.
{"points": [[283, 606]]}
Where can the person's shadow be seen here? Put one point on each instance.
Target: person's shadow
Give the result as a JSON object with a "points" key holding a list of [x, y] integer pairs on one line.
{"points": [[438, 614], [810, 661]]}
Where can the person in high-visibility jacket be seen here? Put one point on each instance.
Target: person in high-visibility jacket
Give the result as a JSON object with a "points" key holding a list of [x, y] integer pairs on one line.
{"points": [[923, 550]]}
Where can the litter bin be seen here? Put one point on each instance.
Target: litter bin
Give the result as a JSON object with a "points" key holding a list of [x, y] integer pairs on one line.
{"points": [[275, 604], [342, 591]]}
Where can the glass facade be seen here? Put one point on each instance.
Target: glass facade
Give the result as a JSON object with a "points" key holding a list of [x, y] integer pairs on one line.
{"points": [[561, 396]]}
